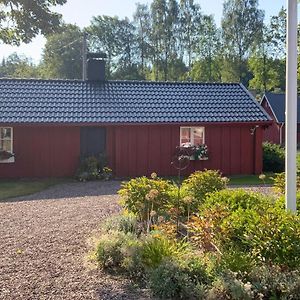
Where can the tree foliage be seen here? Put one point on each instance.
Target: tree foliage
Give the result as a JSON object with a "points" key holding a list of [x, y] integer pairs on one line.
{"points": [[168, 40], [242, 25], [15, 66], [62, 57], [22, 20]]}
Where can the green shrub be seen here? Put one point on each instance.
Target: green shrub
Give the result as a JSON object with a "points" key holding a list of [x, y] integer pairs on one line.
{"points": [[236, 261], [175, 280], [235, 199], [273, 158], [272, 282], [112, 249], [279, 182], [200, 183], [142, 196], [263, 282], [272, 236], [92, 168], [280, 203], [156, 248], [229, 286], [124, 223]]}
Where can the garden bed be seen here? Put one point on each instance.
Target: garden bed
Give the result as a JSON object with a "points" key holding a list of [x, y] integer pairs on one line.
{"points": [[201, 240]]}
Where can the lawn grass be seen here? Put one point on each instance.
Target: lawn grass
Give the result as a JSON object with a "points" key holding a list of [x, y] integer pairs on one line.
{"points": [[251, 180], [22, 187]]}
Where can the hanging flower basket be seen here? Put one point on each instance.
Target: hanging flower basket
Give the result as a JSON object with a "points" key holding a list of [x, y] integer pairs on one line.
{"points": [[5, 155]]}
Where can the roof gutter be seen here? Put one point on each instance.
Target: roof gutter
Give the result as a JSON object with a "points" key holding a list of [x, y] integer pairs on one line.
{"points": [[83, 124]]}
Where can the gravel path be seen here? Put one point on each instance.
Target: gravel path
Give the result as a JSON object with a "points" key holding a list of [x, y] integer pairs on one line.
{"points": [[43, 243]]}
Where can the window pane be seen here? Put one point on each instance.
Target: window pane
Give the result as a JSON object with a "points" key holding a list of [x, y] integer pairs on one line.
{"points": [[185, 136], [198, 136], [6, 139], [5, 133], [5, 145]]}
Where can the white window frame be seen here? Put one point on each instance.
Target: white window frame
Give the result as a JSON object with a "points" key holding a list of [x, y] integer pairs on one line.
{"points": [[192, 135], [11, 159]]}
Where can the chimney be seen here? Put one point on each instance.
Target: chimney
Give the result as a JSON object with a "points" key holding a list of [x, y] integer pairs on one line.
{"points": [[96, 66]]}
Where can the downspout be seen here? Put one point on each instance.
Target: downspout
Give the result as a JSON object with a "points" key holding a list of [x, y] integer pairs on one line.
{"points": [[280, 133]]}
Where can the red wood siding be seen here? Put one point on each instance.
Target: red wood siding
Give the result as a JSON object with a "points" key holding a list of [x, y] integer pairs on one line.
{"points": [[133, 150], [141, 150], [271, 133], [43, 152]]}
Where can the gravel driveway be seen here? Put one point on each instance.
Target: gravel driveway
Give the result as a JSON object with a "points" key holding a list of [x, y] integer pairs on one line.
{"points": [[43, 243]]}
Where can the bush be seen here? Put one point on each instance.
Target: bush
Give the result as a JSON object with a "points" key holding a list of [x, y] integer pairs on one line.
{"points": [[273, 158], [235, 199], [279, 182], [229, 286], [236, 261], [112, 249], [175, 280], [272, 282], [200, 183], [123, 223], [156, 248], [280, 203], [272, 236], [142, 196], [93, 168], [207, 230]]}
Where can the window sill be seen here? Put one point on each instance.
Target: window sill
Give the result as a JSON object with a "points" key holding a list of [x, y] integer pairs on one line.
{"points": [[7, 161]]}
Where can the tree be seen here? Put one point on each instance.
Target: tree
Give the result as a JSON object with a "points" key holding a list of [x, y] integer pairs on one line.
{"points": [[117, 39], [190, 26], [277, 34], [62, 57], [164, 36], [268, 70], [143, 29], [21, 21], [207, 67], [15, 66], [242, 25]]}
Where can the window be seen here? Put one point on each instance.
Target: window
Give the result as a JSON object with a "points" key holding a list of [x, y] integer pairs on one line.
{"points": [[6, 143], [191, 136]]}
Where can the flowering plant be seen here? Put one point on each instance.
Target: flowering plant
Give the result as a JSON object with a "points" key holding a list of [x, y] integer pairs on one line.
{"points": [[201, 152]]}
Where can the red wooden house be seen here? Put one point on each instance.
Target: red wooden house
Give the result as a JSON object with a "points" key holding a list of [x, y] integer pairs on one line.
{"points": [[274, 105], [49, 124]]}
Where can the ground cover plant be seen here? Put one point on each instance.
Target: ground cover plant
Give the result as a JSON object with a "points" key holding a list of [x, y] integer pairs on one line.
{"points": [[201, 240]]}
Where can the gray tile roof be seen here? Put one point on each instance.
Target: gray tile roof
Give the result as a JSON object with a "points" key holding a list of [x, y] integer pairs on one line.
{"points": [[277, 103], [71, 101]]}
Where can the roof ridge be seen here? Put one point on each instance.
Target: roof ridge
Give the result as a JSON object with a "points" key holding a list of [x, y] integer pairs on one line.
{"points": [[40, 79], [119, 81]]}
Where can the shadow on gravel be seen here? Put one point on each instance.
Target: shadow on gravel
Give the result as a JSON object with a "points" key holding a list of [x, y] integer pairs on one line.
{"points": [[72, 190], [128, 292]]}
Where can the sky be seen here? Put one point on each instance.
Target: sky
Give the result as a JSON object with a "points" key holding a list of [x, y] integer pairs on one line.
{"points": [[80, 12]]}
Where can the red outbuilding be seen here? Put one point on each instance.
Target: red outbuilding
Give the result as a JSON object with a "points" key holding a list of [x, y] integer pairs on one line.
{"points": [[47, 126], [274, 105]]}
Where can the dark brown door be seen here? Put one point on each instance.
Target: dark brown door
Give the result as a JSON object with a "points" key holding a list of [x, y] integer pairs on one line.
{"points": [[92, 141]]}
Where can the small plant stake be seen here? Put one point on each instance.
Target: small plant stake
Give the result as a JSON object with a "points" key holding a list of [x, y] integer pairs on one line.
{"points": [[180, 162]]}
